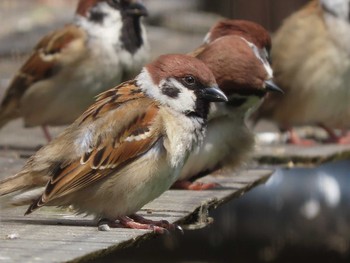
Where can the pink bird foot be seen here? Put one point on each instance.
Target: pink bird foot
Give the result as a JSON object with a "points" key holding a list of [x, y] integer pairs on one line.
{"points": [[195, 186], [138, 222]]}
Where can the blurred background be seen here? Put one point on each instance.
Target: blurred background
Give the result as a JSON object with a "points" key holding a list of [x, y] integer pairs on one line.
{"points": [[173, 26], [301, 214]]}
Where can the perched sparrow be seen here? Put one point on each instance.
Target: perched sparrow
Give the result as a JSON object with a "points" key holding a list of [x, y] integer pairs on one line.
{"points": [[105, 44], [311, 61], [245, 79], [127, 148]]}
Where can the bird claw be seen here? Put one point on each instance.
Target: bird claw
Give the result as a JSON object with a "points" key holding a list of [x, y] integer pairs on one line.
{"points": [[138, 222], [159, 230], [179, 229], [194, 186]]}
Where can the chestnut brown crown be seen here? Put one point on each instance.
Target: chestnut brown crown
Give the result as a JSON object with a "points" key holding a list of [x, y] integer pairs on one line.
{"points": [[250, 31], [179, 66]]}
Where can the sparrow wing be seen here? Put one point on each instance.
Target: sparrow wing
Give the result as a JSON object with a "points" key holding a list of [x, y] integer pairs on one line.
{"points": [[129, 126], [55, 50]]}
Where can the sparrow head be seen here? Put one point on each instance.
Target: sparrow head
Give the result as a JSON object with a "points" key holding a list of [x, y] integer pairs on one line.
{"points": [[181, 82], [337, 8], [237, 69], [126, 7], [117, 21]]}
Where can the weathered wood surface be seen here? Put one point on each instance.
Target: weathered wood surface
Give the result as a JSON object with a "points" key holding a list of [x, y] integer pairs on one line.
{"points": [[56, 235], [292, 155], [272, 150]]}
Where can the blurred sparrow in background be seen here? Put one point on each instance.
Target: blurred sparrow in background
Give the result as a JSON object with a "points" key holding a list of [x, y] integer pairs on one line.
{"points": [[105, 44], [311, 62]]}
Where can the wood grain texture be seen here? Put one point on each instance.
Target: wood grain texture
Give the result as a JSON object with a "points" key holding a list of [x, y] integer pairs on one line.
{"points": [[54, 235], [292, 155]]}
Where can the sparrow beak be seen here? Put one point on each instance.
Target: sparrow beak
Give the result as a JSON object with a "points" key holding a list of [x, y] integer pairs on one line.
{"points": [[272, 87], [213, 94], [136, 9]]}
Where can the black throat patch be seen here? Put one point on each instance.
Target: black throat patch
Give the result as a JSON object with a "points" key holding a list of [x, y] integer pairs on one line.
{"points": [[131, 35], [236, 102], [201, 110]]}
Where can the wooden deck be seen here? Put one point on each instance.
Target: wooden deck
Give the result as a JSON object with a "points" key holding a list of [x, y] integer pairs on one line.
{"points": [[55, 235], [290, 155], [278, 153]]}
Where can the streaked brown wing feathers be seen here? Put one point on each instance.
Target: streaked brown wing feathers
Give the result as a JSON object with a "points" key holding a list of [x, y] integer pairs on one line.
{"points": [[112, 99], [111, 154], [37, 67]]}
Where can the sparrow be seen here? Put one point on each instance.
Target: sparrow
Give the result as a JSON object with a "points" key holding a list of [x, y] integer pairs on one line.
{"points": [[126, 149], [104, 45], [311, 61], [242, 71]]}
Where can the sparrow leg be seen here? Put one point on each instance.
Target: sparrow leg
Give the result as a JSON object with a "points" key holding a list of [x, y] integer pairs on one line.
{"points": [[137, 222], [162, 223], [344, 138], [46, 133], [294, 138], [196, 186]]}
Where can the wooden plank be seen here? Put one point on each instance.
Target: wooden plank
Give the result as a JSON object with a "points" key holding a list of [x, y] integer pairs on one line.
{"points": [[272, 149], [56, 235], [292, 155]]}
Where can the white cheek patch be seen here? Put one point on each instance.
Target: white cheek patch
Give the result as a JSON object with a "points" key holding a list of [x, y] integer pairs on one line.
{"points": [[261, 57], [266, 64], [207, 38], [109, 31], [185, 101]]}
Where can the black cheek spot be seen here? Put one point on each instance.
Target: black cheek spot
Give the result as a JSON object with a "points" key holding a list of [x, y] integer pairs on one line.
{"points": [[171, 92], [97, 17]]}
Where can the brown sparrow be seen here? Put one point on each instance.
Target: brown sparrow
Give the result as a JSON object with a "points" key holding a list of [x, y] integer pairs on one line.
{"points": [[245, 77], [311, 61], [105, 44], [126, 149]]}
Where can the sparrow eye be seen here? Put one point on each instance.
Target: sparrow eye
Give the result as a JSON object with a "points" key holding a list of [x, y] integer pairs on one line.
{"points": [[189, 80]]}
